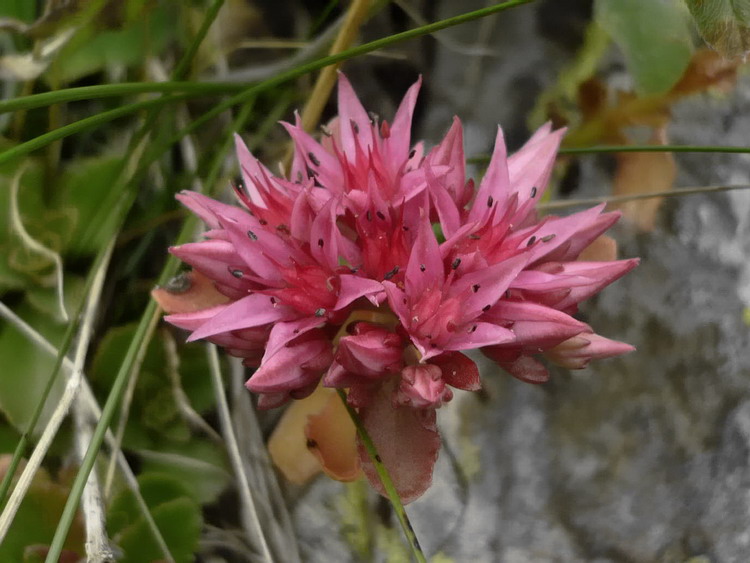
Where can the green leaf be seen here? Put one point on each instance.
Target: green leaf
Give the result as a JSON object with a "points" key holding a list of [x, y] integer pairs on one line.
{"points": [[20, 9], [154, 414], [724, 24], [177, 516], [654, 37], [92, 51], [84, 186], [26, 369], [199, 465]]}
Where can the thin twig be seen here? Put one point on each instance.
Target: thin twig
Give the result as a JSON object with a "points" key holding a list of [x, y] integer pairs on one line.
{"points": [[98, 548], [249, 513]]}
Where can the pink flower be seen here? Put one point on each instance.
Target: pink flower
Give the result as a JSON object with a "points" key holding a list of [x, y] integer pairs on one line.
{"points": [[337, 273]]}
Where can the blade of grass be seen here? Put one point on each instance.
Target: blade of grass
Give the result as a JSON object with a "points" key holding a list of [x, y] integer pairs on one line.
{"points": [[246, 94], [679, 192], [385, 478], [191, 89], [608, 149]]}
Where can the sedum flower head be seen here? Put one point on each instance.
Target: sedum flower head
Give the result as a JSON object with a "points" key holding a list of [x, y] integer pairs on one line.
{"points": [[336, 274]]}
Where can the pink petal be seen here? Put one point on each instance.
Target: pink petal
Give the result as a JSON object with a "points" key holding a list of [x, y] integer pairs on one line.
{"points": [[532, 165], [475, 336], [253, 310], [400, 138], [422, 387], [407, 442], [353, 287], [495, 186], [353, 119], [533, 324], [450, 151], [425, 267]]}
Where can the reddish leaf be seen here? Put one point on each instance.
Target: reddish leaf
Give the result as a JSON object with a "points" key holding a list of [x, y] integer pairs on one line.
{"points": [[407, 442]]}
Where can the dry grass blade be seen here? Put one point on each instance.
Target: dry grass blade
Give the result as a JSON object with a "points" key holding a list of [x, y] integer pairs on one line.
{"points": [[263, 483], [98, 548], [250, 517]]}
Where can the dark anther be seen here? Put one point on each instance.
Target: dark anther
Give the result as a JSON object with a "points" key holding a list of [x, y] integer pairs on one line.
{"points": [[273, 301], [486, 308], [532, 240], [369, 215], [533, 191], [392, 273], [473, 328], [311, 172], [422, 268], [380, 215], [355, 127], [311, 444], [456, 263], [236, 273], [412, 153], [320, 242], [374, 117], [320, 312], [326, 131], [283, 229], [476, 287], [548, 238], [263, 222], [490, 201], [378, 458], [474, 237], [299, 176], [313, 159], [252, 235]]}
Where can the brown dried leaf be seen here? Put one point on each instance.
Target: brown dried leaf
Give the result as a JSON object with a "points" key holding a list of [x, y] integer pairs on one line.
{"points": [[707, 70], [187, 293], [331, 437], [288, 444], [639, 173]]}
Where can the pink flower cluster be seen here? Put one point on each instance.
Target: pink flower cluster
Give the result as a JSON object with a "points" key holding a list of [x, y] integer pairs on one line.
{"points": [[375, 265]]}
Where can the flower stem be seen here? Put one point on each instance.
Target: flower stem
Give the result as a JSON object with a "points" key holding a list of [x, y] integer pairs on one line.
{"points": [[385, 478]]}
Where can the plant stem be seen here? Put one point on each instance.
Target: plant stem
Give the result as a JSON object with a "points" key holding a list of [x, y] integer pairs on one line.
{"points": [[385, 478]]}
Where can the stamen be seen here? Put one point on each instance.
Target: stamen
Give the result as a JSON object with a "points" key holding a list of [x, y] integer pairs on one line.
{"points": [[456, 263], [532, 240], [380, 215], [369, 215], [422, 267], [533, 192], [548, 238], [412, 153], [486, 308], [236, 273], [490, 201], [392, 273], [476, 287], [313, 159], [320, 242], [320, 312], [252, 236], [355, 127]]}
